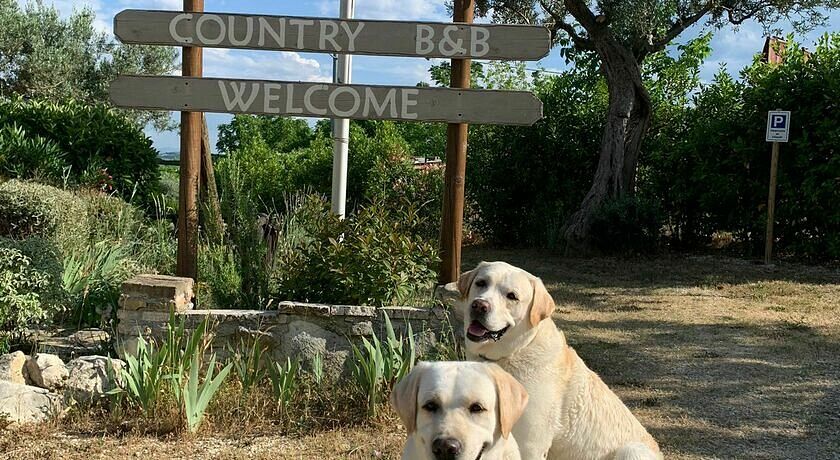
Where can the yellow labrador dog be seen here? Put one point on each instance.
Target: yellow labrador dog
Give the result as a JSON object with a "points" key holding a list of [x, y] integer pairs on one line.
{"points": [[459, 411], [572, 414]]}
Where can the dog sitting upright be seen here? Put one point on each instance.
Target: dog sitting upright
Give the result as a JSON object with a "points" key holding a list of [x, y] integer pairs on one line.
{"points": [[572, 414], [459, 411]]}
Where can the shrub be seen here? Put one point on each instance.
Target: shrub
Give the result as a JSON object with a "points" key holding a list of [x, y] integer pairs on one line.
{"points": [[29, 157], [102, 148], [523, 182], [29, 209], [30, 276], [373, 257], [631, 225], [711, 171]]}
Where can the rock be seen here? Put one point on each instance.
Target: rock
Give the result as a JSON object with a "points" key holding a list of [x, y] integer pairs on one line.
{"points": [[27, 404], [306, 340], [91, 338], [46, 371], [12, 367], [89, 377], [157, 293]]}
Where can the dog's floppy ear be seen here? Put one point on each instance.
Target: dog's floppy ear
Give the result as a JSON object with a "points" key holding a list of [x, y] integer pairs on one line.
{"points": [[404, 397], [542, 305], [512, 398], [466, 280]]}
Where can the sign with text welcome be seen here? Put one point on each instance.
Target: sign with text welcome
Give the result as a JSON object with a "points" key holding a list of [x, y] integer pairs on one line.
{"points": [[362, 102], [385, 38]]}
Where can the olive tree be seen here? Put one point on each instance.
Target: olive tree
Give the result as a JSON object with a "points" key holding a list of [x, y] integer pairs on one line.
{"points": [[619, 35], [45, 56]]}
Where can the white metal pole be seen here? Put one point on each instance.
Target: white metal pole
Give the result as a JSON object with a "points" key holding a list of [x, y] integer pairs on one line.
{"points": [[341, 126]]}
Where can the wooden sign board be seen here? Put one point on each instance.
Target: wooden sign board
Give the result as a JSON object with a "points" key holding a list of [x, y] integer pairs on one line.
{"points": [[361, 102], [388, 38]]}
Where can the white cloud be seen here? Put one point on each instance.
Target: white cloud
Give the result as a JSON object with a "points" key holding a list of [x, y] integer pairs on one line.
{"points": [[285, 65], [404, 10]]}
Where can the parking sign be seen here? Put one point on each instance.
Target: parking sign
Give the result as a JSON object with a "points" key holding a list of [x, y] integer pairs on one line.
{"points": [[778, 125]]}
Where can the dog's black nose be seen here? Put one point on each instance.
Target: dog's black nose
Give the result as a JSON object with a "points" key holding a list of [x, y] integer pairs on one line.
{"points": [[446, 448], [480, 306]]}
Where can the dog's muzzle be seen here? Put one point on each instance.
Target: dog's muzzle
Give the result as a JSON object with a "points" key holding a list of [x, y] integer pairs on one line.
{"points": [[477, 332]]}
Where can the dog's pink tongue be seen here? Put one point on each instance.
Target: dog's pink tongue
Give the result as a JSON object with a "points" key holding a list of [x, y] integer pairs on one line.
{"points": [[476, 329]]}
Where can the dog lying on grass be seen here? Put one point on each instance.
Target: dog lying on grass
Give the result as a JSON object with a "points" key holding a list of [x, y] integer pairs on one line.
{"points": [[572, 413], [459, 411]]}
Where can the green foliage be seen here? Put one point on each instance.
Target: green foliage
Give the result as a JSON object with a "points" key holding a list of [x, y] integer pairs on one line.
{"points": [[29, 209], [377, 366], [523, 182], [144, 375], [630, 225], [29, 157], [370, 258], [197, 395], [277, 134], [44, 56], [29, 274], [285, 381], [247, 361], [711, 170], [100, 148], [99, 240], [91, 280]]}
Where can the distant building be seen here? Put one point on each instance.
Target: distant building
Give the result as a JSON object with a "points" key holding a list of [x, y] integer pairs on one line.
{"points": [[774, 50]]}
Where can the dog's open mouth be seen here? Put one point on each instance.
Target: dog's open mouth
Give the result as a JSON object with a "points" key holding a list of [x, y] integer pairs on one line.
{"points": [[478, 333]]}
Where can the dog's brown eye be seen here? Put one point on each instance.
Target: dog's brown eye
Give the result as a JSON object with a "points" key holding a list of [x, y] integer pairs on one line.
{"points": [[476, 407], [481, 283], [431, 406], [512, 296]]}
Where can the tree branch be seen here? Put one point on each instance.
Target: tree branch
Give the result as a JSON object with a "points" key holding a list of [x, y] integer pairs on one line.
{"points": [[559, 23], [682, 23]]}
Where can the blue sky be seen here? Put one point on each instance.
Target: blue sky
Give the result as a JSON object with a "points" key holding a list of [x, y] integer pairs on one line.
{"points": [[733, 47]]}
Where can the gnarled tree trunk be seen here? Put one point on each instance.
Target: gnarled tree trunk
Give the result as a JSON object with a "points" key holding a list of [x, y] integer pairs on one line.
{"points": [[628, 117]]}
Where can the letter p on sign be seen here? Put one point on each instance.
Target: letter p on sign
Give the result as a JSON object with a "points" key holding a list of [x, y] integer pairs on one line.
{"points": [[778, 126]]}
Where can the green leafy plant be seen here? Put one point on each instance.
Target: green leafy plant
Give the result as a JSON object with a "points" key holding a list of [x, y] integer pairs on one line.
{"points": [[90, 278], [102, 148], [198, 395], [144, 375], [285, 381], [247, 361], [378, 365], [317, 369], [30, 274]]}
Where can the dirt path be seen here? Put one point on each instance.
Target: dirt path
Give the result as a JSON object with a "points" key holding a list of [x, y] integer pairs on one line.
{"points": [[718, 357]]}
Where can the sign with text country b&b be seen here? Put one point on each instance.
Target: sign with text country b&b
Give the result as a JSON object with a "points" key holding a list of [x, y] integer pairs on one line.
{"points": [[325, 35], [361, 102], [778, 125]]}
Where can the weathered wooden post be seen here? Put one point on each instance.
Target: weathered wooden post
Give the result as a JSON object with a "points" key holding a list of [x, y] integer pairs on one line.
{"points": [[190, 164], [778, 129], [456, 164]]}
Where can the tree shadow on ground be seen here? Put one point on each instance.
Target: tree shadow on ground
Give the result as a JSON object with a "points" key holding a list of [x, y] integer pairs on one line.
{"points": [[722, 390]]}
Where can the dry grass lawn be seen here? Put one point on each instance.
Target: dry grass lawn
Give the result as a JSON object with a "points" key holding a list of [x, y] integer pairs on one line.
{"points": [[718, 357]]}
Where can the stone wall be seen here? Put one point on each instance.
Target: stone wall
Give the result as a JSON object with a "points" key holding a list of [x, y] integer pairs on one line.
{"points": [[288, 329]]}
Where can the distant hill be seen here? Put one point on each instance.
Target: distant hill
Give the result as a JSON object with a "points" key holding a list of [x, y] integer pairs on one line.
{"points": [[170, 156]]}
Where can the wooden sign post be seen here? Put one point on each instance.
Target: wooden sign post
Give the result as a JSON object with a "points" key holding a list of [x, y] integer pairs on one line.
{"points": [[190, 165], [454, 176], [778, 129], [460, 41]]}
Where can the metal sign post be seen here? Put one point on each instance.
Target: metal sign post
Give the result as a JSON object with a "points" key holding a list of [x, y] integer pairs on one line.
{"points": [[778, 129], [341, 126]]}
